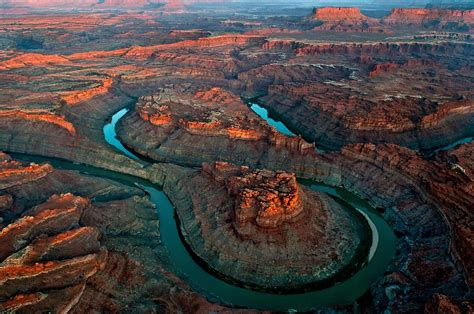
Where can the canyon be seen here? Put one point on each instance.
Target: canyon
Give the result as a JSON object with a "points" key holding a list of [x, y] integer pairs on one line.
{"points": [[139, 176], [80, 243]]}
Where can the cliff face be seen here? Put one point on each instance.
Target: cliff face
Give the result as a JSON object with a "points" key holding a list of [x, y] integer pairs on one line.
{"points": [[203, 118], [345, 20], [62, 252], [416, 91], [263, 198], [426, 16], [32, 59], [352, 20], [408, 114], [338, 14]]}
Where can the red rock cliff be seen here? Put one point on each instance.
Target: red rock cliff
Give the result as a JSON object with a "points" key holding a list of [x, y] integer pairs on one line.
{"points": [[338, 14], [421, 16]]}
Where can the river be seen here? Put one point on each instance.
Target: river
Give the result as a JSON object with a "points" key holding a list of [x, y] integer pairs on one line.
{"points": [[346, 292], [278, 125]]}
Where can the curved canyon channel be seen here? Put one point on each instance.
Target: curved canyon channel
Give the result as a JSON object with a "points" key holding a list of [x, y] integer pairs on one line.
{"points": [[380, 254], [382, 248]]}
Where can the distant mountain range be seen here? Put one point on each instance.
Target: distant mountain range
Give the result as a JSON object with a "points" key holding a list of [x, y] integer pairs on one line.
{"points": [[89, 3], [180, 3], [420, 3]]}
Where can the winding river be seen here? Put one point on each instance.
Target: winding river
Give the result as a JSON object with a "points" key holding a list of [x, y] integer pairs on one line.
{"points": [[278, 125], [206, 283], [282, 128]]}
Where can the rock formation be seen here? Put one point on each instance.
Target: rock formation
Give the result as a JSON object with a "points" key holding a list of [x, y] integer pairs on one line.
{"points": [[339, 14], [263, 208], [199, 119], [401, 87], [352, 20], [429, 17], [345, 20], [63, 252], [264, 199], [442, 304]]}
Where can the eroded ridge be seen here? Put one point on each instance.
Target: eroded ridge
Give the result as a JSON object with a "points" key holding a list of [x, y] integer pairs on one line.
{"points": [[96, 249], [202, 122]]}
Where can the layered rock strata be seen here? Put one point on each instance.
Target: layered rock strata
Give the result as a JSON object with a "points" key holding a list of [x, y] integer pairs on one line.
{"points": [[101, 252], [229, 213], [345, 20], [430, 17], [191, 127], [426, 202]]}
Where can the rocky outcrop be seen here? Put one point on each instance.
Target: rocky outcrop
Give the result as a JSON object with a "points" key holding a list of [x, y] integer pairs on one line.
{"points": [[352, 20], [48, 117], [345, 20], [242, 222], [389, 49], [96, 252], [14, 173], [75, 97], [355, 117], [45, 245], [413, 88], [429, 17], [263, 198], [214, 41], [208, 121], [339, 14], [258, 80], [59, 213], [32, 59], [434, 200]]}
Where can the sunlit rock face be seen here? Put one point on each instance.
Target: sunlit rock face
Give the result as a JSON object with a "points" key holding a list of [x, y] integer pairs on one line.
{"points": [[206, 122], [401, 86], [419, 16], [242, 222], [65, 252], [337, 14], [352, 20], [263, 198], [345, 20]]}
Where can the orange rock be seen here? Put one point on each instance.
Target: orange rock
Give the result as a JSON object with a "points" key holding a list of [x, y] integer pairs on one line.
{"points": [[21, 300], [38, 116], [440, 303], [420, 16], [244, 134], [32, 59], [74, 98], [263, 197], [145, 52], [62, 300], [20, 278], [381, 68], [339, 14], [58, 214], [13, 173], [69, 244]]}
